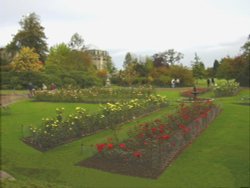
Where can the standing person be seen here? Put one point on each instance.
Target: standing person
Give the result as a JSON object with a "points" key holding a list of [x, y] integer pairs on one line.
{"points": [[177, 82], [173, 83], [31, 89], [213, 82], [208, 82], [44, 87], [53, 87]]}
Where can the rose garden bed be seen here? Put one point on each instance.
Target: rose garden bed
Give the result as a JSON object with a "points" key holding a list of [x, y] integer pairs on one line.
{"points": [[153, 146], [60, 130], [93, 95]]}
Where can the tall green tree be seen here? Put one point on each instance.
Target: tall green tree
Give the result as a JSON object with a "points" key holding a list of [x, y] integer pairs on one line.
{"points": [[227, 69], [167, 58], [128, 60], [173, 56], [62, 58], [237, 67], [129, 74], [77, 42], [30, 35], [215, 67], [110, 66], [198, 67], [244, 77], [57, 58], [246, 49], [5, 57]]}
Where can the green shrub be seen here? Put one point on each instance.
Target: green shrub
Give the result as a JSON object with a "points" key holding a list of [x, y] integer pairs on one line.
{"points": [[226, 88]]}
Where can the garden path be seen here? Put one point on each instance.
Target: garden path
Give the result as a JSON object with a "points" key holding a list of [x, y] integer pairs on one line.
{"points": [[7, 99], [5, 176]]}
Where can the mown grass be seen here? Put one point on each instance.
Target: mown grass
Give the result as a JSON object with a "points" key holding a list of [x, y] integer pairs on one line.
{"points": [[218, 158]]}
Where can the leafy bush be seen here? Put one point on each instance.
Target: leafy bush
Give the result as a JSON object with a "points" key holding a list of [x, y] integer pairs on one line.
{"points": [[226, 88], [11, 80]]}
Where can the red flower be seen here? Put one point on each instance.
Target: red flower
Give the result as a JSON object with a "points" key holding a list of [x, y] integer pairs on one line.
{"points": [[162, 126], [184, 128], [123, 146], [165, 137], [181, 126], [186, 117], [197, 120], [137, 154], [100, 147], [141, 135], [154, 129], [204, 115], [110, 146]]}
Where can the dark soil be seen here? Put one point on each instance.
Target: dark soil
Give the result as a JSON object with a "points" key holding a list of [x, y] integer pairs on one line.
{"points": [[138, 170]]}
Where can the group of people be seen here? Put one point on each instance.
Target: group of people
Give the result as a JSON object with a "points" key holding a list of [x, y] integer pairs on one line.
{"points": [[175, 82], [32, 88], [210, 81]]}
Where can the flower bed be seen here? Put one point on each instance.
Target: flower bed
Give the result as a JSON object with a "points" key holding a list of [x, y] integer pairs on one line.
{"points": [[59, 130], [93, 95], [152, 146], [227, 88]]}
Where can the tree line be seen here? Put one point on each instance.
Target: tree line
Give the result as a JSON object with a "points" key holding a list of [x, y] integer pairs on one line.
{"points": [[27, 59]]}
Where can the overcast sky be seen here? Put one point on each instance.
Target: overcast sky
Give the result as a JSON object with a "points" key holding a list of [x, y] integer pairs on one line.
{"points": [[211, 28]]}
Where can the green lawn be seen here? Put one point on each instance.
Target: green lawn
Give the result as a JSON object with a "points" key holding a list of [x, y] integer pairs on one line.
{"points": [[218, 158]]}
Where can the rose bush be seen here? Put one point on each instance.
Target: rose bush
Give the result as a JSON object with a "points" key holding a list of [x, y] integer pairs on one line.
{"points": [[61, 129], [226, 88], [154, 144], [93, 95]]}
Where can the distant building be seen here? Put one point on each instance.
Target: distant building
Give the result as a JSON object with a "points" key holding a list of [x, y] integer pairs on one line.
{"points": [[99, 57]]}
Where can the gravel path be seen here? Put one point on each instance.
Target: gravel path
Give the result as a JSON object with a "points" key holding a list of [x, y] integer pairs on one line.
{"points": [[5, 176], [11, 98]]}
